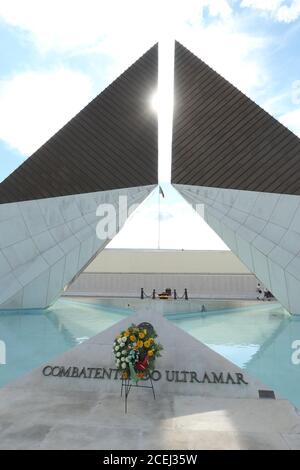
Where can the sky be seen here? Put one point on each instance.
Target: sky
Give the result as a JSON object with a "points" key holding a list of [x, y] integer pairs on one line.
{"points": [[55, 56]]}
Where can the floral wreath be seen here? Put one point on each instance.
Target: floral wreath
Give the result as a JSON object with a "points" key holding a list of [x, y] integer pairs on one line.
{"points": [[136, 350]]}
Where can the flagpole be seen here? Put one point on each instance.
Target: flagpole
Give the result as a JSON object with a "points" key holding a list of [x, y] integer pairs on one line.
{"points": [[158, 244], [160, 192]]}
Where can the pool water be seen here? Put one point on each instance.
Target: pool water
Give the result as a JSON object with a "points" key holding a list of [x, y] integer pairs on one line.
{"points": [[33, 337], [258, 339]]}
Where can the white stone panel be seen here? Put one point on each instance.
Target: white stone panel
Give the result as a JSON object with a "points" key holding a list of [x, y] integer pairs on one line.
{"points": [[273, 232], [264, 205], [55, 284], [71, 266], [263, 244], [229, 237], [69, 208], [44, 241], [5, 268], [214, 222], [280, 256], [246, 234], [293, 287], [295, 224], [263, 229], [52, 255], [21, 253], [245, 200], [291, 242], [51, 212], [285, 210], [61, 232], [221, 207], [44, 244], [12, 231], [30, 270], [69, 244], [227, 198], [85, 233], [255, 224], [86, 203], [244, 252], [261, 269], [35, 293], [33, 217], [86, 251], [294, 267], [237, 215], [15, 302], [9, 287], [278, 282], [8, 211]]}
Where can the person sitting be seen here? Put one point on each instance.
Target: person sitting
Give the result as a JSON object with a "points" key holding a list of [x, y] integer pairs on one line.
{"points": [[260, 291]]}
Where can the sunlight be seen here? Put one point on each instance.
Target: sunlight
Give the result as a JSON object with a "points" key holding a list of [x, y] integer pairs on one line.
{"points": [[162, 103], [165, 99], [154, 102]]}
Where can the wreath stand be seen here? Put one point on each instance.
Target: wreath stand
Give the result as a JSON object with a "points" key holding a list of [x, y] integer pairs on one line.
{"points": [[127, 385]]}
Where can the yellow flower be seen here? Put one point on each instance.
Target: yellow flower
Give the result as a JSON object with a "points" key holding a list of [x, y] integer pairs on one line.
{"points": [[140, 344], [126, 333], [150, 353], [145, 331], [132, 338], [141, 335], [147, 344], [151, 340]]}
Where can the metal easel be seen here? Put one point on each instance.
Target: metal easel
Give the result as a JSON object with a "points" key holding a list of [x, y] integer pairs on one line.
{"points": [[127, 385]]}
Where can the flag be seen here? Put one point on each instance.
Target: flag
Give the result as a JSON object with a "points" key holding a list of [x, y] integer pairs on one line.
{"points": [[161, 191]]}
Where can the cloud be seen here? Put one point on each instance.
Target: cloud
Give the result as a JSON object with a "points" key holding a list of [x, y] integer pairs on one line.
{"points": [[264, 5], [280, 10], [219, 8], [69, 24], [122, 31], [292, 121], [232, 52], [34, 105]]}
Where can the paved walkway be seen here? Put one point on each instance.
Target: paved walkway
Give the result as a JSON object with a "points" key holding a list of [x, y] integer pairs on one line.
{"points": [[93, 421]]}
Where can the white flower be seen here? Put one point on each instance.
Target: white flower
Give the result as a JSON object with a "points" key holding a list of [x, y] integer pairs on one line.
{"points": [[123, 359], [127, 359], [124, 339], [117, 363], [118, 354], [124, 352], [124, 365], [117, 348], [120, 340]]}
